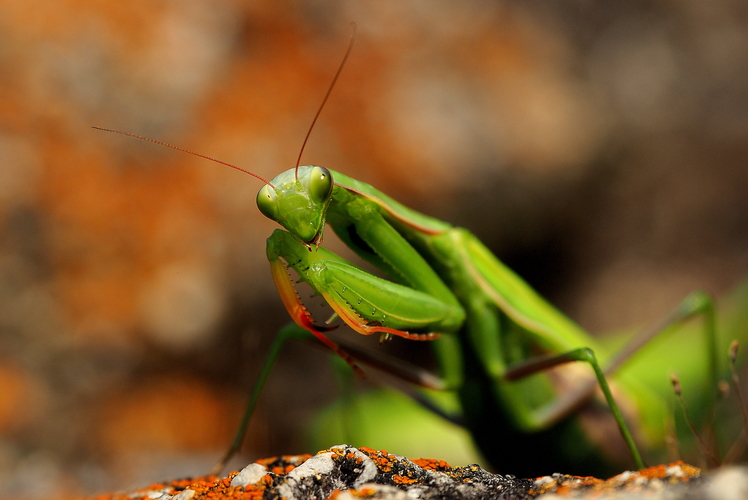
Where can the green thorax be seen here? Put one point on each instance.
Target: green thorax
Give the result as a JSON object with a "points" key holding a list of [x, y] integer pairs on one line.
{"points": [[347, 190]]}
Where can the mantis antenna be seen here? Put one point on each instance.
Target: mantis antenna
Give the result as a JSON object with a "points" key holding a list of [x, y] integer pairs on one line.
{"points": [[161, 143], [329, 90], [303, 145]]}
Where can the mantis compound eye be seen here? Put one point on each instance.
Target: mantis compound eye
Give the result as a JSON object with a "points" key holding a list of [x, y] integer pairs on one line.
{"points": [[266, 202], [320, 184]]}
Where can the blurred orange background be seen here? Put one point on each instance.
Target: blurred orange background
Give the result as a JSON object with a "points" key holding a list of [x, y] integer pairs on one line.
{"points": [[600, 150]]}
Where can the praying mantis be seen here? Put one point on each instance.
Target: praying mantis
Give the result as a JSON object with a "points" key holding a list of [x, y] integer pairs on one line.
{"points": [[493, 335], [497, 342]]}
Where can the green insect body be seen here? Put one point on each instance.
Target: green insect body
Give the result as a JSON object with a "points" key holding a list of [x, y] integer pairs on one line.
{"points": [[483, 320], [498, 344]]}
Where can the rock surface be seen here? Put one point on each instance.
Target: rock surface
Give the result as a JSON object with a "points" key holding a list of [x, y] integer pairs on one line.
{"points": [[347, 473]]}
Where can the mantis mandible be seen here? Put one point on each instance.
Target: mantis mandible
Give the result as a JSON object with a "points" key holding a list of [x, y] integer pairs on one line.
{"points": [[494, 337]]}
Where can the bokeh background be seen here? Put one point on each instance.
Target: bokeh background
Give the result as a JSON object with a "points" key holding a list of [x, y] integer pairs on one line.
{"points": [[599, 148]]}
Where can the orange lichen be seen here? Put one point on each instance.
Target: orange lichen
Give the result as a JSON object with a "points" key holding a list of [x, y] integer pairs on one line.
{"points": [[360, 493], [382, 459], [432, 464], [631, 481], [353, 456], [291, 459], [397, 478], [662, 472], [208, 487]]}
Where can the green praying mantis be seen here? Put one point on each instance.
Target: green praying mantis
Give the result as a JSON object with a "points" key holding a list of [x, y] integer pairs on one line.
{"points": [[532, 385]]}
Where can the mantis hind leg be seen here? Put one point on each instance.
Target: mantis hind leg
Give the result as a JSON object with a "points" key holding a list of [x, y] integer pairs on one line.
{"points": [[566, 405], [698, 303]]}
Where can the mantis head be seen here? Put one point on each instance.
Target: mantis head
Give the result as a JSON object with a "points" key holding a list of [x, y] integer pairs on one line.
{"points": [[298, 201]]}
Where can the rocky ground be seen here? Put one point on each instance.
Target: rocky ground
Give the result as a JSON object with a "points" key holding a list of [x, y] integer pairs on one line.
{"points": [[347, 473]]}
